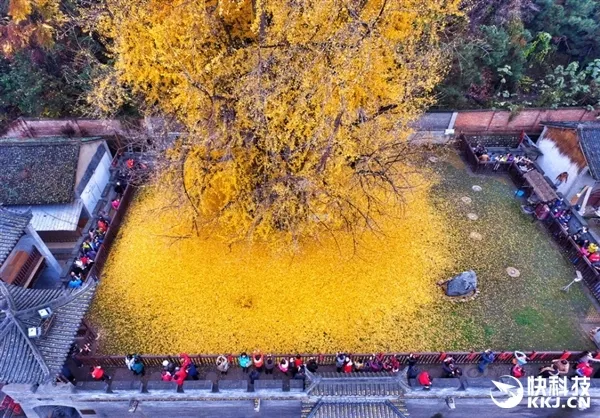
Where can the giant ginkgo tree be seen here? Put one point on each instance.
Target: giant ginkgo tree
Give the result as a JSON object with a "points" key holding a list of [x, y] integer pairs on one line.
{"points": [[296, 112]]}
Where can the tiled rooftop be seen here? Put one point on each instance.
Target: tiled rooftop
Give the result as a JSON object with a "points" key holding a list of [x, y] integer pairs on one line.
{"points": [[37, 172], [38, 360], [12, 227]]}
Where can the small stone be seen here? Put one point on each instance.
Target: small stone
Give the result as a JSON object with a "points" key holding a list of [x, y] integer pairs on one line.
{"points": [[472, 216], [513, 272], [477, 188], [466, 200], [476, 236]]}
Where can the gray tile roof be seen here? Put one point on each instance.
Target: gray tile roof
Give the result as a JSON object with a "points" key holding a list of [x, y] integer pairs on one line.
{"points": [[355, 410], [59, 217], [589, 138], [12, 227], [357, 389], [26, 360], [38, 172], [564, 125], [353, 385]]}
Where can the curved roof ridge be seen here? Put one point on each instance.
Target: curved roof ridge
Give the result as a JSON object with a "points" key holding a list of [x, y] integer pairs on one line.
{"points": [[38, 360], [67, 297], [12, 317]]}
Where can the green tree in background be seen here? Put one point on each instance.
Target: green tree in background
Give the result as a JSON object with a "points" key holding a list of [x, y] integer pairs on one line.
{"points": [[48, 59], [31, 88], [574, 25], [525, 53]]}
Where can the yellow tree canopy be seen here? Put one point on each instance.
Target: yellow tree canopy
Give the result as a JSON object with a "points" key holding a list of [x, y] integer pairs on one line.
{"points": [[296, 111]]}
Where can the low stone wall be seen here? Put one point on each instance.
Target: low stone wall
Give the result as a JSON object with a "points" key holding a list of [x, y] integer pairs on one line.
{"points": [[466, 121], [527, 120]]}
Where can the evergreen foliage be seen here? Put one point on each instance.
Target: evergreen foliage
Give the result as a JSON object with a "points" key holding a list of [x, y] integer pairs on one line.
{"points": [[511, 57]]}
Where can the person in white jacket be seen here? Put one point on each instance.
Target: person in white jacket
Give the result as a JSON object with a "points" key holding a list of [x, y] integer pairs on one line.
{"points": [[129, 360], [222, 364]]}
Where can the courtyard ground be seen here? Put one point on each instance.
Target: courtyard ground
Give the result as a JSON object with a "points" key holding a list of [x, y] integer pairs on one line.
{"points": [[166, 290], [528, 312]]}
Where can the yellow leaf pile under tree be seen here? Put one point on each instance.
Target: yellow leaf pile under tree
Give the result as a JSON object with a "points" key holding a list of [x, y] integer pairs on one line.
{"points": [[296, 112], [167, 293]]}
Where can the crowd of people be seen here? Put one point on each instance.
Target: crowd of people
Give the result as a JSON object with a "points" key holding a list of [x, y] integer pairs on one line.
{"points": [[346, 363], [296, 367], [257, 363], [557, 367], [498, 158], [587, 246], [562, 367], [178, 374], [95, 237], [88, 251]]}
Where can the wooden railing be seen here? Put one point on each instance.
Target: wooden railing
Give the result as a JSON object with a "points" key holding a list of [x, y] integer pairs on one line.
{"points": [[29, 268], [111, 233], [329, 359]]}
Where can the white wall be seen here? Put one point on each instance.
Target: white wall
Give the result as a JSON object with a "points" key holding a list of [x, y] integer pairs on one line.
{"points": [[584, 179], [553, 163], [93, 191]]}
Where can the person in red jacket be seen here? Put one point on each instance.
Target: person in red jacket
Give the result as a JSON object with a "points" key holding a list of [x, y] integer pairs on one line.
{"points": [[102, 225], [424, 380], [181, 374], [395, 363], [298, 361], [517, 371], [348, 365], [258, 361], [584, 370], [98, 374], [186, 361]]}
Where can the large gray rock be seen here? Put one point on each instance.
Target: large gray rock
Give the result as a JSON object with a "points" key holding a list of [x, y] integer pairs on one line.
{"points": [[463, 284]]}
